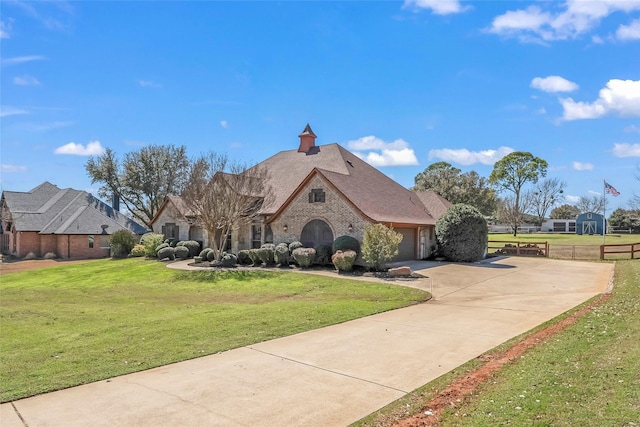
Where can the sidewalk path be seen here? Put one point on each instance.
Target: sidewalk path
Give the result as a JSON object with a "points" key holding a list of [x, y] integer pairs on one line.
{"points": [[335, 375]]}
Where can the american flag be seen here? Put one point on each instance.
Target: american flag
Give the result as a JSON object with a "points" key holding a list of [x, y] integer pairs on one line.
{"points": [[609, 189]]}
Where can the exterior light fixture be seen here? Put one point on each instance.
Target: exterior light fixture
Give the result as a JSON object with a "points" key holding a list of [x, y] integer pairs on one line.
{"points": [[350, 228], [285, 227]]}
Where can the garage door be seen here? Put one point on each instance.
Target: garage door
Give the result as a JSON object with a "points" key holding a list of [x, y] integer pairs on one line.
{"points": [[406, 250]]}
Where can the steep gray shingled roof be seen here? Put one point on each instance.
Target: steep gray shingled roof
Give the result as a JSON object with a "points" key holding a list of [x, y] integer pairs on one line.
{"points": [[48, 209], [375, 195]]}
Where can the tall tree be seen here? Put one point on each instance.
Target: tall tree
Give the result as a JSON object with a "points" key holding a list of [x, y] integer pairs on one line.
{"points": [[468, 188], [224, 195], [565, 211], [634, 203], [590, 204], [512, 172], [143, 179], [544, 196]]}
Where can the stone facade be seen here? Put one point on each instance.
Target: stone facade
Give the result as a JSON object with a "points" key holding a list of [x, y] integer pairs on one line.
{"points": [[170, 215], [338, 213]]}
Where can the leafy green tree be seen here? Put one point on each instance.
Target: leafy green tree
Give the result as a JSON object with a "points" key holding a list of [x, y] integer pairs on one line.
{"points": [[457, 187], [625, 219], [122, 241], [512, 173], [142, 179], [565, 211], [380, 244], [462, 234]]}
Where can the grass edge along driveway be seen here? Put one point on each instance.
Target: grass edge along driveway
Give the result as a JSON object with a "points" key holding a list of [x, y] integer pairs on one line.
{"points": [[70, 325]]}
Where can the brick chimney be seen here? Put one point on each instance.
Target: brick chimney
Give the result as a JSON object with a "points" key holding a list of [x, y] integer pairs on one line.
{"points": [[307, 140]]}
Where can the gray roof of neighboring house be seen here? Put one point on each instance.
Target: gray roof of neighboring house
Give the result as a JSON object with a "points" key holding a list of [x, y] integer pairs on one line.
{"points": [[48, 209]]}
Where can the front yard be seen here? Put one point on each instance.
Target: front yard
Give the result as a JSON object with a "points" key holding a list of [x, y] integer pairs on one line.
{"points": [[77, 323]]}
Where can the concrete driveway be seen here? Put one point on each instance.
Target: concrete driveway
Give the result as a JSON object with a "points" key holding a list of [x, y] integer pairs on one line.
{"points": [[335, 375]]}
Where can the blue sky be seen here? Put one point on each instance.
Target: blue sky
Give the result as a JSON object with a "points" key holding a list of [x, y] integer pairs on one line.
{"points": [[403, 84]]}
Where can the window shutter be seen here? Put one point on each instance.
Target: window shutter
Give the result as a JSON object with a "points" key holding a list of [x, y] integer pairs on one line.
{"points": [[311, 197]]}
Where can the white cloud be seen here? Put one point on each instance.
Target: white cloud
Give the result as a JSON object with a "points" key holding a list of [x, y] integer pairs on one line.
{"points": [[224, 124], [5, 29], [621, 97], [21, 59], [26, 81], [395, 153], [466, 157], [93, 148], [629, 32], [553, 84], [438, 7], [12, 168], [572, 199], [579, 166], [6, 111], [626, 150], [148, 83], [573, 19]]}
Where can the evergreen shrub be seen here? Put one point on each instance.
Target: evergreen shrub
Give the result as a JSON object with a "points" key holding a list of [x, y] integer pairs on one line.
{"points": [[343, 261], [462, 234], [304, 257]]}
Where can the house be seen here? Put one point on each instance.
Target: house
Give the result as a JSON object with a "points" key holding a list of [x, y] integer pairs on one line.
{"points": [[321, 192], [559, 226], [70, 223], [590, 223]]}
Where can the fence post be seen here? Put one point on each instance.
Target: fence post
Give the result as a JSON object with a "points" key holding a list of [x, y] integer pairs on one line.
{"points": [[601, 252]]}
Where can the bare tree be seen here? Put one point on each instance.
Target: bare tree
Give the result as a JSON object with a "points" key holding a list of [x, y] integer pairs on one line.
{"points": [[545, 195], [634, 203], [590, 204], [223, 195]]}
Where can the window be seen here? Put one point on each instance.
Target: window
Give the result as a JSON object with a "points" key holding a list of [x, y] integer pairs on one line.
{"points": [[171, 231], [268, 234], [91, 241], [316, 196], [256, 236]]}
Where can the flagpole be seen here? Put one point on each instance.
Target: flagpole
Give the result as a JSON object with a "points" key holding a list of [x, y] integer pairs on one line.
{"points": [[604, 210]]}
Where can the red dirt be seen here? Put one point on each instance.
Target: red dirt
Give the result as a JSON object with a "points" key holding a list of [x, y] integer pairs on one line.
{"points": [[466, 385]]}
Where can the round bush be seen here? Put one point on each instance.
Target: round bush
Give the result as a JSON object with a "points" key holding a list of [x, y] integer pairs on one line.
{"points": [[204, 252], [229, 260], [344, 260], [122, 241], [346, 243], [167, 252], [211, 255], [161, 246], [255, 258], [151, 241], [138, 250], [172, 241], [281, 254], [462, 234], [244, 258], [266, 255], [181, 252], [193, 246], [304, 257], [295, 245], [50, 255], [323, 254]]}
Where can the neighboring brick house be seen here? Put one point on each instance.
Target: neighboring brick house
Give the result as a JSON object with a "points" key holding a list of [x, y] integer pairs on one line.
{"points": [[323, 192], [67, 222]]}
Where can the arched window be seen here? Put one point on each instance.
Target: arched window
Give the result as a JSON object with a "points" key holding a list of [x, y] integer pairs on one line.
{"points": [[316, 232]]}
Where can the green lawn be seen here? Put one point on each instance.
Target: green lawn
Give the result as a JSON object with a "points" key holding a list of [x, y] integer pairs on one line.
{"points": [[587, 375], [567, 239], [73, 324]]}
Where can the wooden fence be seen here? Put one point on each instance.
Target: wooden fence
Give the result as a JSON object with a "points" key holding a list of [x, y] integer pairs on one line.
{"points": [[620, 248], [501, 247]]}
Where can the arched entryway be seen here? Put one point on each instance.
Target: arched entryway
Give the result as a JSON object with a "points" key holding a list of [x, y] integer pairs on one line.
{"points": [[316, 232]]}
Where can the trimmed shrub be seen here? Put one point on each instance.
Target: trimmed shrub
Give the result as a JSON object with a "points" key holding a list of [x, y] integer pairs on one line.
{"points": [[181, 252], [229, 260], [122, 241], [167, 252], [161, 246], [323, 254], [211, 255], [255, 258], [138, 251], [462, 234], [343, 261], [346, 243], [197, 259], [172, 241], [244, 258], [203, 253], [29, 256], [266, 255], [193, 246], [50, 255], [295, 245], [151, 241], [380, 244], [281, 254], [304, 257]]}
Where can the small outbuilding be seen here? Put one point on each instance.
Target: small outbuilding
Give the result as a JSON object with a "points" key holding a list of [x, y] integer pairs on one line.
{"points": [[590, 223]]}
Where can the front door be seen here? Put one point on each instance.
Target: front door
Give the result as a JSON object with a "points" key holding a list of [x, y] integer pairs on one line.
{"points": [[316, 232], [589, 227]]}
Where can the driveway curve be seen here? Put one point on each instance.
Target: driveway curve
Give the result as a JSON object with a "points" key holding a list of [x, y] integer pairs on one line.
{"points": [[335, 375]]}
